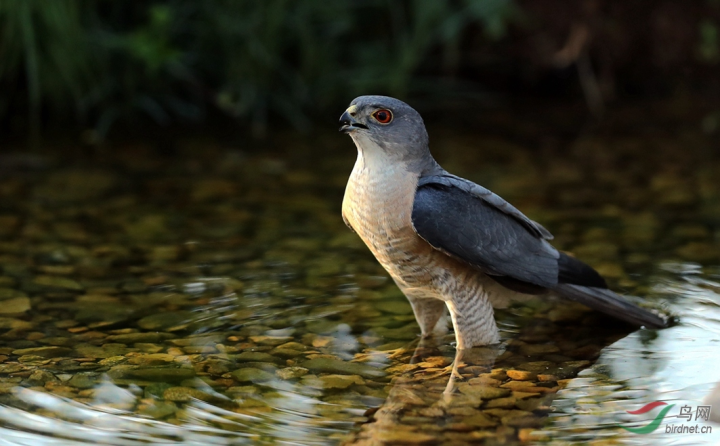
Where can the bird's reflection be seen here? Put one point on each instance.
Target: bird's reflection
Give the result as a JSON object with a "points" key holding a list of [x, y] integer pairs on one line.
{"points": [[450, 395]]}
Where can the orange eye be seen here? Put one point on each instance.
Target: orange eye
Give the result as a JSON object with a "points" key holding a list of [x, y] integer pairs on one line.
{"points": [[383, 116]]}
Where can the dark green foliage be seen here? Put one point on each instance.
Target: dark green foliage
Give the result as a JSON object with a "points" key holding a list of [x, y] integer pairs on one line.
{"points": [[43, 48], [98, 62]]}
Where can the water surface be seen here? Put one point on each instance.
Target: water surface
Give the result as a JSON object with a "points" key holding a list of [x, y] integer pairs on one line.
{"points": [[209, 293]]}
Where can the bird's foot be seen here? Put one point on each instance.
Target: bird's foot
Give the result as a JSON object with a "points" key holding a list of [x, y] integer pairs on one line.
{"points": [[450, 388]]}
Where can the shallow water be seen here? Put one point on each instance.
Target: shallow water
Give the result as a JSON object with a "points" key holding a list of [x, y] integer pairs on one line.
{"points": [[210, 293]]}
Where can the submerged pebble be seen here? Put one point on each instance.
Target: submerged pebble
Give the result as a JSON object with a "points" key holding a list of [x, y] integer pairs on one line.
{"points": [[228, 297]]}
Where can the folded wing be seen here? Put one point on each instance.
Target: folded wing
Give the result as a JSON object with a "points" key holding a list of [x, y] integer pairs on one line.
{"points": [[474, 225]]}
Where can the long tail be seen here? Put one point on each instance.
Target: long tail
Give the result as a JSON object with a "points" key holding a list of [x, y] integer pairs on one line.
{"points": [[604, 300]]}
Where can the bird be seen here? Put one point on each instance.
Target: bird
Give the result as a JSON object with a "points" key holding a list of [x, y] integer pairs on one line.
{"points": [[452, 246]]}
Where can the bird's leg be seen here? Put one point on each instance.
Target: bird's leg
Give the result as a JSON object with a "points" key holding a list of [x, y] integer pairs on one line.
{"points": [[429, 313], [454, 373], [482, 356], [426, 347], [474, 321]]}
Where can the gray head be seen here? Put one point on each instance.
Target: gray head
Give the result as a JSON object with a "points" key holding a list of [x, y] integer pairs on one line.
{"points": [[387, 127]]}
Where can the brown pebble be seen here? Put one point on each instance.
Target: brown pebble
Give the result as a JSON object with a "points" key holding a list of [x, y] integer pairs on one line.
{"points": [[403, 437], [464, 411], [432, 412], [67, 323], [485, 380], [521, 375], [58, 388], [525, 434], [522, 421], [224, 382], [479, 421], [501, 403], [121, 331], [436, 362], [518, 386], [543, 377], [523, 395], [483, 435], [91, 335], [497, 412], [321, 341], [157, 280], [77, 329], [459, 427], [34, 336], [498, 374], [522, 386]]}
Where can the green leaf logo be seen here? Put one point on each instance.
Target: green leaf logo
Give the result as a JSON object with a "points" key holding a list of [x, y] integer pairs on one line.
{"points": [[654, 424]]}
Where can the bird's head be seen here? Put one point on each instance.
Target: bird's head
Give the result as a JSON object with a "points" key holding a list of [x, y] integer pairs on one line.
{"points": [[387, 127]]}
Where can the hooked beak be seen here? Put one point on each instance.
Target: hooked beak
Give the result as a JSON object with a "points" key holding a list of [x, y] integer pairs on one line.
{"points": [[349, 124]]}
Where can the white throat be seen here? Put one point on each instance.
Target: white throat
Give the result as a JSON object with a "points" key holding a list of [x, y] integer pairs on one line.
{"points": [[373, 159]]}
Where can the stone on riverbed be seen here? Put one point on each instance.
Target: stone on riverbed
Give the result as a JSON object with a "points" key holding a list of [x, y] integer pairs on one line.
{"points": [[271, 340], [291, 372], [16, 324], [15, 305], [57, 283], [521, 375], [152, 359], [9, 293], [164, 321], [44, 352], [501, 403], [252, 375], [163, 374], [83, 381], [332, 381], [404, 437], [483, 392], [327, 365], [286, 353], [106, 351], [479, 420], [158, 409], [257, 357], [185, 394], [131, 338]]}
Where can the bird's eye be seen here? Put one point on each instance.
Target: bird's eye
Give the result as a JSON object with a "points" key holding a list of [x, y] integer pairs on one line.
{"points": [[383, 116]]}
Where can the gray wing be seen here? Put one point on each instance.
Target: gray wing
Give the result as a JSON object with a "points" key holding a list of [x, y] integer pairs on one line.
{"points": [[472, 224], [488, 197]]}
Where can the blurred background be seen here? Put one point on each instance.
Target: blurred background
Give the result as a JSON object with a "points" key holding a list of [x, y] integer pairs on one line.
{"points": [[90, 69]]}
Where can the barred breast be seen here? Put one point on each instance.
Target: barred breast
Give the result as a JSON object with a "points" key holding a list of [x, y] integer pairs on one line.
{"points": [[378, 206]]}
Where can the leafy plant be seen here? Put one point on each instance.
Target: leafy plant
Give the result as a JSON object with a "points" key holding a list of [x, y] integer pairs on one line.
{"points": [[254, 60], [43, 49]]}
